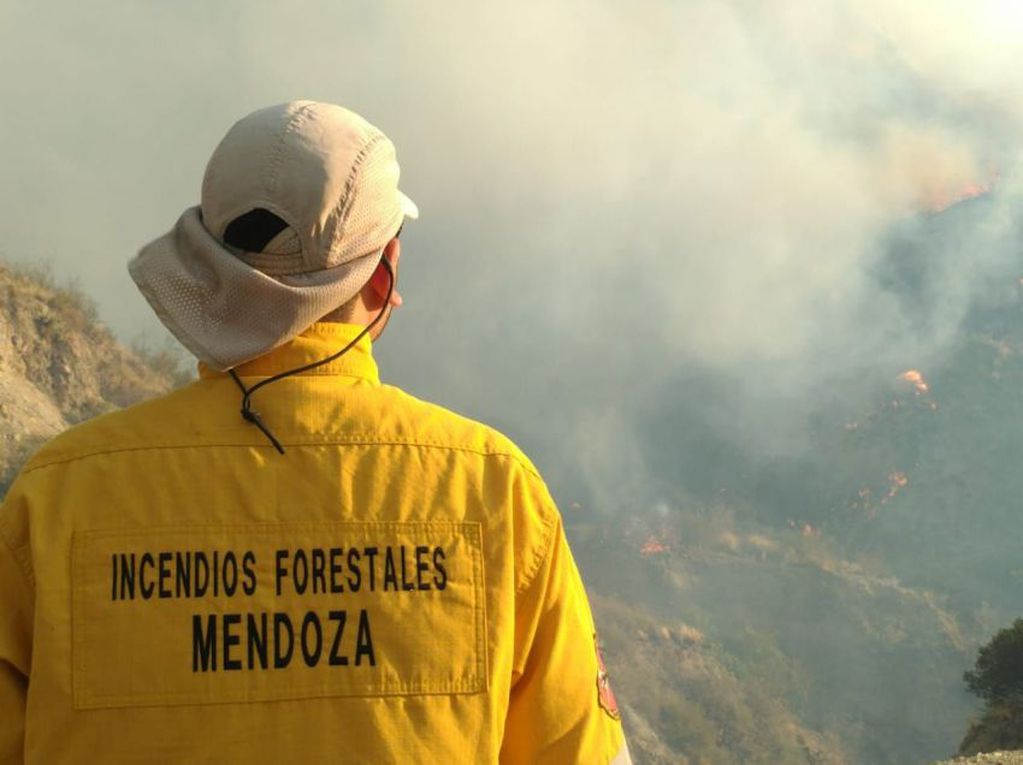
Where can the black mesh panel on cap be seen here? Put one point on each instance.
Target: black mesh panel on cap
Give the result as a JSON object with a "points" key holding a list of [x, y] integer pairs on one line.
{"points": [[254, 230]]}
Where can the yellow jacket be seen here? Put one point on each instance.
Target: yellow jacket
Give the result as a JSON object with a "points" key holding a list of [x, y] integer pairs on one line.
{"points": [[396, 588]]}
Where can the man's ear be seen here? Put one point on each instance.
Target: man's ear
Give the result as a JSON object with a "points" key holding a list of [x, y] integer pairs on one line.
{"points": [[375, 291]]}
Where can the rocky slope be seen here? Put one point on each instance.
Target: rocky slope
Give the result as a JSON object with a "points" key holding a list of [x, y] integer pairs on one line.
{"points": [[999, 729], [58, 366], [990, 758]]}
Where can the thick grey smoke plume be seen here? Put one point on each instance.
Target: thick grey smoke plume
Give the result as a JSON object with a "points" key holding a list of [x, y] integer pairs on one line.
{"points": [[613, 194]]}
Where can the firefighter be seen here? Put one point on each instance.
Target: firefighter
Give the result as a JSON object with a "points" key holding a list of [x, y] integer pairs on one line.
{"points": [[287, 560]]}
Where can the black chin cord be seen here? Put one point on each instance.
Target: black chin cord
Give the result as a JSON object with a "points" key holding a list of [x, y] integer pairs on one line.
{"points": [[252, 416]]}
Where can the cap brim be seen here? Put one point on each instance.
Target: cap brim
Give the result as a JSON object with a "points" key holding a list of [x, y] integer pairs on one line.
{"points": [[408, 207]]}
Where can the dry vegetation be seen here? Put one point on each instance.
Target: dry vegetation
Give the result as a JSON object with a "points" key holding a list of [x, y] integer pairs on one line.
{"points": [[59, 365], [684, 703]]}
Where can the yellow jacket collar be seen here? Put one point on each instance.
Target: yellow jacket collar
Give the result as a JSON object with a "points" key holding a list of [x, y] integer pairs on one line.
{"points": [[318, 342]]}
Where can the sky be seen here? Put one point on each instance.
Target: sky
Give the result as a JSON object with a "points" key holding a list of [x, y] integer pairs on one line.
{"points": [[612, 195]]}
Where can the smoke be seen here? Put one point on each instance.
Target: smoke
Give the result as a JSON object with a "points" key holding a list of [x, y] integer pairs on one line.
{"points": [[616, 199]]}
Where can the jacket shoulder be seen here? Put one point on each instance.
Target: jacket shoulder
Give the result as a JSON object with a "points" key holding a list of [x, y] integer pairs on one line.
{"points": [[107, 432], [532, 511], [431, 424]]}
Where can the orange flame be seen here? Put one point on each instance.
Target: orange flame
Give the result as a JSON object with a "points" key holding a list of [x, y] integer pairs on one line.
{"points": [[897, 481], [974, 190], [914, 378], [654, 546], [938, 201]]}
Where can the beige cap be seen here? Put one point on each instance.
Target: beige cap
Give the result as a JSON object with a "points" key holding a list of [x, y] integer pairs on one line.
{"points": [[318, 185]]}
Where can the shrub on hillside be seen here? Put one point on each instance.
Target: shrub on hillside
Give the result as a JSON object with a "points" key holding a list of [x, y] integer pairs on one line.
{"points": [[998, 673]]}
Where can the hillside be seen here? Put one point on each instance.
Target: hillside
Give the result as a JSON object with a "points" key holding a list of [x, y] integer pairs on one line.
{"points": [[856, 569], [851, 583], [1000, 728], [58, 366], [740, 644]]}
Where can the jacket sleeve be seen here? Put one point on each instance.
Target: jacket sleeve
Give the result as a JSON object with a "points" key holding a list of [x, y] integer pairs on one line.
{"points": [[559, 712], [16, 612]]}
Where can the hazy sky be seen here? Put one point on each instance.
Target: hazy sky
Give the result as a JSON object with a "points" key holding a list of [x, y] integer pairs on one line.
{"points": [[610, 193]]}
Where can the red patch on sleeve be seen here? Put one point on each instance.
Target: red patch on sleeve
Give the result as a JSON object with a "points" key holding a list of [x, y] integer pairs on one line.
{"points": [[605, 696]]}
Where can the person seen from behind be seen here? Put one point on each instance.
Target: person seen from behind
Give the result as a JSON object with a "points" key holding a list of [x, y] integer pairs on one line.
{"points": [[288, 560]]}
